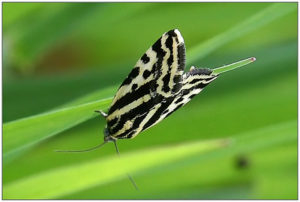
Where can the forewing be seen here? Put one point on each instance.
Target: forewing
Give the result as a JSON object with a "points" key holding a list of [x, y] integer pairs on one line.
{"points": [[154, 80]]}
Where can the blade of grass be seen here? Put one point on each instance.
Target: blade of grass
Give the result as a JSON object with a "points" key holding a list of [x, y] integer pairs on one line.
{"points": [[101, 171], [261, 18], [93, 96], [233, 66], [211, 171], [26, 132], [50, 184]]}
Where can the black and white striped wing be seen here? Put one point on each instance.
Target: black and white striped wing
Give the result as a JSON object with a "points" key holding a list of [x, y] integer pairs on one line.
{"points": [[152, 83], [193, 83]]}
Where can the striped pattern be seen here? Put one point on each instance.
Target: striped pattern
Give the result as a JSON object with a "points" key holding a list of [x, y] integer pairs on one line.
{"points": [[155, 88]]}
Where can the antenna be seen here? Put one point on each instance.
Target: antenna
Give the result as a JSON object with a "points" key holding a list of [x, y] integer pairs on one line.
{"points": [[98, 146], [129, 177], [84, 150]]}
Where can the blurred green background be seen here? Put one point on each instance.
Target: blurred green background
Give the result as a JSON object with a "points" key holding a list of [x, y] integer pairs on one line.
{"points": [[57, 55]]}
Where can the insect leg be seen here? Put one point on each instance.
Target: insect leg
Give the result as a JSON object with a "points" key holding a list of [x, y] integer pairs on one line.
{"points": [[102, 113], [129, 177]]}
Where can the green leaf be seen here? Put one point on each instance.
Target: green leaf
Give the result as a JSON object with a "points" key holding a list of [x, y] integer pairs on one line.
{"points": [[50, 184], [62, 181], [261, 18], [94, 96], [26, 132], [233, 66], [213, 174]]}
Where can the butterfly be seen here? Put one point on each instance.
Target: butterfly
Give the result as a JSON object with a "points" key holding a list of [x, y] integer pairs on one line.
{"points": [[155, 88]]}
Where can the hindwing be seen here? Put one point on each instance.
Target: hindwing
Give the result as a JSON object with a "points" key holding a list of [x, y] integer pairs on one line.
{"points": [[193, 83]]}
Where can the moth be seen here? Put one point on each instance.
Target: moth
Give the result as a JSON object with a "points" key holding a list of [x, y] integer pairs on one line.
{"points": [[155, 88]]}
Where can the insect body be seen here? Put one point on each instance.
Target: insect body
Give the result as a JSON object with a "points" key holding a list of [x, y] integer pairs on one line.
{"points": [[156, 87]]}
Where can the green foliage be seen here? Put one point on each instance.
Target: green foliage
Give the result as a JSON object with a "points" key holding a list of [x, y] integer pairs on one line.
{"points": [[255, 107], [29, 131], [254, 22], [102, 171]]}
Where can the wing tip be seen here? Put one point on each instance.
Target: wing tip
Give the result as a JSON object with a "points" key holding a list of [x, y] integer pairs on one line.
{"points": [[176, 33]]}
